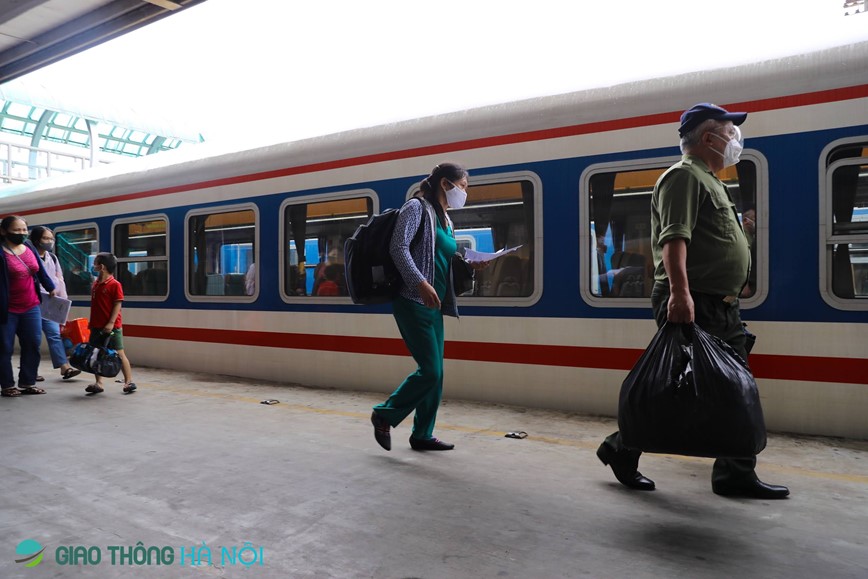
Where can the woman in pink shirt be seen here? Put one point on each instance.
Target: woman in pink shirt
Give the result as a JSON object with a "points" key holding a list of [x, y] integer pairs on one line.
{"points": [[19, 307]]}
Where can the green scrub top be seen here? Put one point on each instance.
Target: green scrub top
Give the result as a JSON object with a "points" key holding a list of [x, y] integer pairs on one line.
{"points": [[445, 247]]}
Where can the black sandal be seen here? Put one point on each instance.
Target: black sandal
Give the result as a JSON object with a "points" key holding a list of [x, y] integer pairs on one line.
{"points": [[70, 373], [10, 392], [31, 390]]}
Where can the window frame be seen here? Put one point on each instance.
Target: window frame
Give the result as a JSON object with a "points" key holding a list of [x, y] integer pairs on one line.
{"points": [[212, 210], [283, 242], [537, 184], [77, 226], [762, 211], [827, 237], [138, 219]]}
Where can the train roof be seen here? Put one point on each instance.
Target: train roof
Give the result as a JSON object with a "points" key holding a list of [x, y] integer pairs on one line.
{"points": [[659, 101]]}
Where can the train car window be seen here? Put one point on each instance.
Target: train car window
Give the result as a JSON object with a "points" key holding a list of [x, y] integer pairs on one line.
{"points": [[221, 255], [143, 264], [500, 215], [314, 233], [619, 260], [846, 228], [76, 247]]}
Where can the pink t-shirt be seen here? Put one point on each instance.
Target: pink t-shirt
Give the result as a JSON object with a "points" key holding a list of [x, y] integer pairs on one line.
{"points": [[22, 292]]}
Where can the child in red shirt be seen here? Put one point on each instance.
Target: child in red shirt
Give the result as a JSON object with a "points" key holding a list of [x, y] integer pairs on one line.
{"points": [[106, 299]]}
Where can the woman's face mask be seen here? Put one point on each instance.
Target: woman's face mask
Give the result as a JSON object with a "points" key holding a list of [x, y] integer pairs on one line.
{"points": [[16, 234], [456, 197], [46, 245]]}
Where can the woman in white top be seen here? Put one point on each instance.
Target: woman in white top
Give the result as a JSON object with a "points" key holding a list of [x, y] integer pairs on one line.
{"points": [[43, 239]]}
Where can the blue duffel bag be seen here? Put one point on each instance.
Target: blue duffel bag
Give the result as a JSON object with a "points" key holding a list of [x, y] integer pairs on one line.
{"points": [[99, 360]]}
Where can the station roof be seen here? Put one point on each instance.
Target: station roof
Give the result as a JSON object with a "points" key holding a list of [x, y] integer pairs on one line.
{"points": [[36, 33], [37, 98]]}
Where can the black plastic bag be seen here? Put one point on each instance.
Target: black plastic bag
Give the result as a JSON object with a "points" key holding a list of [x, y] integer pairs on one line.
{"points": [[690, 393]]}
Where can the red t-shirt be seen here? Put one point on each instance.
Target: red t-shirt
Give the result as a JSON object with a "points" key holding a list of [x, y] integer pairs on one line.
{"points": [[328, 288], [103, 296]]}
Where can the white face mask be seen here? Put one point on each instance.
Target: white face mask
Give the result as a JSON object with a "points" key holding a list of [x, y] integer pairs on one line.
{"points": [[733, 149], [456, 197]]}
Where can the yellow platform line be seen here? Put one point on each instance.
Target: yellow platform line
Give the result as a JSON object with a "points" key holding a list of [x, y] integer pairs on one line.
{"points": [[841, 477]]}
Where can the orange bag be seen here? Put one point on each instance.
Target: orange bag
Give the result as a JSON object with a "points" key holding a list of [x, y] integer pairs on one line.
{"points": [[76, 331]]}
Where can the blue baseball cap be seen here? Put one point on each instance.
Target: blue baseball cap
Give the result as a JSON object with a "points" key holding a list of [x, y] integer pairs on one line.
{"points": [[692, 117]]}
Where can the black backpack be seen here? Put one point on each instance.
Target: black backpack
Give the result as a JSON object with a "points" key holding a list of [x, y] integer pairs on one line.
{"points": [[372, 277]]}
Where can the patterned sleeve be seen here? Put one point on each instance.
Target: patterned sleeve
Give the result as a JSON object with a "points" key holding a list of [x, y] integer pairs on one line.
{"points": [[409, 221]]}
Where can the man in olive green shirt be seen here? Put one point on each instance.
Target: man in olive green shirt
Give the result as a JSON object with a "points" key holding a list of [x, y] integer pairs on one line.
{"points": [[702, 261]]}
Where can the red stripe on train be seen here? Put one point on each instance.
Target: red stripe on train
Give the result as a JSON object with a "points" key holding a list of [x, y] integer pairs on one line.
{"points": [[770, 366], [775, 103]]}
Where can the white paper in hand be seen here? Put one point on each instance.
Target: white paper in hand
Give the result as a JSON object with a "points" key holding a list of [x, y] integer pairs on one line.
{"points": [[55, 308], [472, 256]]}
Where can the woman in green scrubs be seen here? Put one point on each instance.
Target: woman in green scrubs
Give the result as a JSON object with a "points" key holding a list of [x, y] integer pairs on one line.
{"points": [[427, 294]]}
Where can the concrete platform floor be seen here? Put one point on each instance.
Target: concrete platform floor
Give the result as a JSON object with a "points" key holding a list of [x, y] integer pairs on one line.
{"points": [[196, 459]]}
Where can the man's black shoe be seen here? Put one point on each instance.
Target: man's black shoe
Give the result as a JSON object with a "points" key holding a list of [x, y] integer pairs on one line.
{"points": [[756, 489], [429, 444], [626, 474], [382, 430]]}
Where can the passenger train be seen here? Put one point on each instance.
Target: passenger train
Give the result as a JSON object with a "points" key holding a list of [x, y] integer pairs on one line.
{"points": [[232, 262]]}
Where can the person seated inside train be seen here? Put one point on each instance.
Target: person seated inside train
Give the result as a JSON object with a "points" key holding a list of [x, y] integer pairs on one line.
{"points": [[627, 276], [329, 285], [78, 280], [234, 284], [330, 273], [151, 282], [128, 281]]}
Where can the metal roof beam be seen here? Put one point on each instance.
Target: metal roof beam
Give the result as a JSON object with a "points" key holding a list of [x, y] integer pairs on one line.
{"points": [[109, 21], [11, 9]]}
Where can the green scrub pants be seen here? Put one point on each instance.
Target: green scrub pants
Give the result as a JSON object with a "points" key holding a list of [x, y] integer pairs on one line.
{"points": [[422, 330]]}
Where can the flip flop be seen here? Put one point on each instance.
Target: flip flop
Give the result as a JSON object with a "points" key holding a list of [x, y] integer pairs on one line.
{"points": [[71, 373], [31, 390], [130, 388], [94, 389], [10, 392]]}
